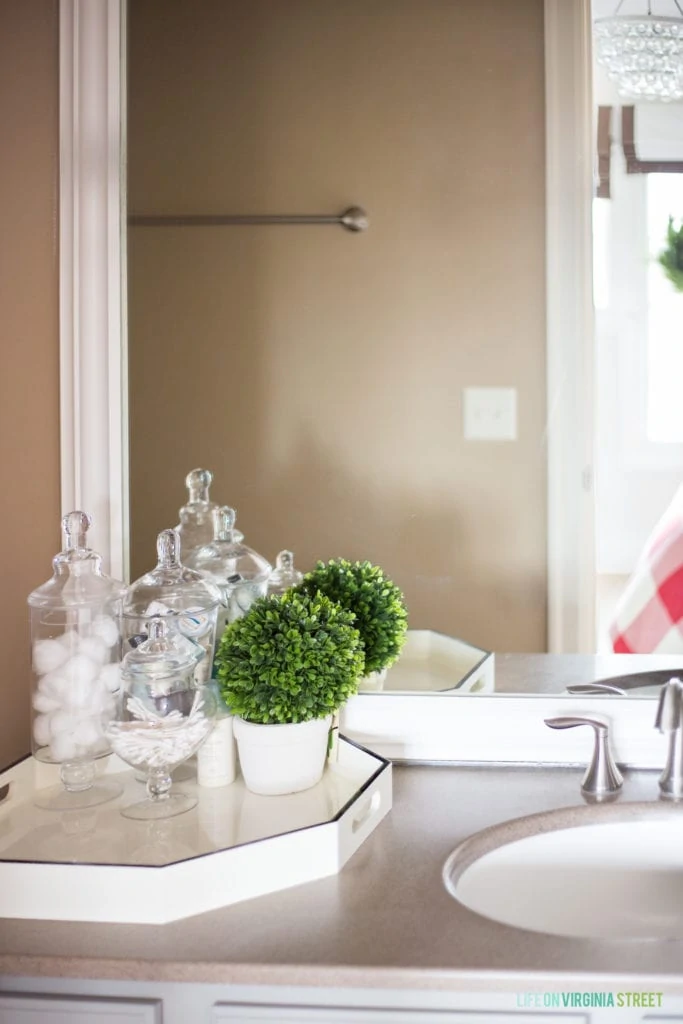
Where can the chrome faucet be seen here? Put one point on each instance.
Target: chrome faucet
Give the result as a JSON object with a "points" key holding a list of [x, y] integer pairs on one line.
{"points": [[602, 780], [670, 719]]}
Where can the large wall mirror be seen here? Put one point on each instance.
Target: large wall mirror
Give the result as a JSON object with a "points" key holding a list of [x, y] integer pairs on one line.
{"points": [[319, 373], [335, 381]]}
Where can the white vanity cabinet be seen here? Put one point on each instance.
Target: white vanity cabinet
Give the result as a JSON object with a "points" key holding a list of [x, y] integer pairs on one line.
{"points": [[69, 1001], [48, 1009], [473, 1008], [325, 1015]]}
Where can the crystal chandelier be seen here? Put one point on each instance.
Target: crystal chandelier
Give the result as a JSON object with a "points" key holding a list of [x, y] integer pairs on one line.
{"points": [[643, 54]]}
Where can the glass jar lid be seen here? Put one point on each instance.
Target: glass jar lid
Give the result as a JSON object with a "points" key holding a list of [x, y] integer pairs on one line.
{"points": [[226, 559], [284, 575], [171, 587], [196, 522], [77, 571], [162, 655]]}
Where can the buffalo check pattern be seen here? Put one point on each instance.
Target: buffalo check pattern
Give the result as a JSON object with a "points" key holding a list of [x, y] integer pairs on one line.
{"points": [[649, 616]]}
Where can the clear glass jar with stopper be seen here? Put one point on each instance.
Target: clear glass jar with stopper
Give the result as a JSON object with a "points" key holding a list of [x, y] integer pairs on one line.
{"points": [[188, 600], [240, 573], [284, 575], [196, 522], [162, 717], [76, 654]]}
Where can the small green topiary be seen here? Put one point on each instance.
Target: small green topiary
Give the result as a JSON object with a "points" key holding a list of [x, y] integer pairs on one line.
{"points": [[376, 602], [670, 258], [292, 658]]}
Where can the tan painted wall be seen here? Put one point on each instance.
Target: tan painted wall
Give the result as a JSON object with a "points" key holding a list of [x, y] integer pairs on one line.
{"points": [[318, 373], [29, 409]]}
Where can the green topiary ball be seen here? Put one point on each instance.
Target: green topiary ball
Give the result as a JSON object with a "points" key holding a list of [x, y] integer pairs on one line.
{"points": [[292, 658], [376, 602]]}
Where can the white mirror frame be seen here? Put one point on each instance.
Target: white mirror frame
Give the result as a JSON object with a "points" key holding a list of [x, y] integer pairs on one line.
{"points": [[94, 405], [92, 221], [569, 326]]}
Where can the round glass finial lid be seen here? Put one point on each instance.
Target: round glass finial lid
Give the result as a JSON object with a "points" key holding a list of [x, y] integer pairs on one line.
{"points": [[164, 654], [189, 599], [239, 571], [75, 526], [77, 570], [284, 575], [198, 482], [196, 523], [171, 586], [227, 556]]}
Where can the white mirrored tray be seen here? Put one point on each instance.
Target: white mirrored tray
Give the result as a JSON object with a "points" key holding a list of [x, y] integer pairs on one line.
{"points": [[96, 865], [435, 663]]}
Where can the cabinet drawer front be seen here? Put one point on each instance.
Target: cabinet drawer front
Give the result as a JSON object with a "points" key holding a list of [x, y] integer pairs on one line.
{"points": [[224, 1013], [18, 1009]]}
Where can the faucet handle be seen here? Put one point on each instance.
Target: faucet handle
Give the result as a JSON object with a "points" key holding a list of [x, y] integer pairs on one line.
{"points": [[668, 719], [602, 776], [596, 688], [669, 708]]}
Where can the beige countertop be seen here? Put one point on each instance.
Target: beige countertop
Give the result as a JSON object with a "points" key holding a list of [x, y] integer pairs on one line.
{"points": [[551, 673], [385, 920]]}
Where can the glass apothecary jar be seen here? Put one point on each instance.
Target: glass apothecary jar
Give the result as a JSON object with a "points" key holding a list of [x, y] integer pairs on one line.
{"points": [[162, 717], [284, 576], [188, 601], [75, 660], [196, 522], [240, 573]]}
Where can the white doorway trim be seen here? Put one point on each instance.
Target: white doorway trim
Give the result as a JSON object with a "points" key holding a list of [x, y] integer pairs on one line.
{"points": [[569, 304], [93, 375], [94, 405]]}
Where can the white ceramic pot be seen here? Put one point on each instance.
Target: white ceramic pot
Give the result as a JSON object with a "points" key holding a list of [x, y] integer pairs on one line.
{"points": [[279, 759], [372, 682]]}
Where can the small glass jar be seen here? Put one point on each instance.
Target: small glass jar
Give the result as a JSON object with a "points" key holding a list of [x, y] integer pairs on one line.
{"points": [[187, 599], [162, 717], [196, 523], [284, 575], [76, 654], [240, 573]]}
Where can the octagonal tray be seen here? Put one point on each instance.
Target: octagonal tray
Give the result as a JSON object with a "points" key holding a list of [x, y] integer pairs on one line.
{"points": [[96, 865], [435, 663], [406, 719]]}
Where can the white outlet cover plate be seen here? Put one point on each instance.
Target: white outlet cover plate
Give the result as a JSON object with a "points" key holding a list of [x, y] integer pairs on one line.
{"points": [[490, 414]]}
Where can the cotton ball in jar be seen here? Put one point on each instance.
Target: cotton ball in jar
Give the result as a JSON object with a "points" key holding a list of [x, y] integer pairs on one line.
{"points": [[48, 655], [80, 669], [158, 608], [240, 602], [94, 648], [45, 702], [106, 630], [61, 722], [41, 730], [87, 735], [63, 747], [97, 703], [79, 693], [54, 685], [110, 677], [69, 641]]}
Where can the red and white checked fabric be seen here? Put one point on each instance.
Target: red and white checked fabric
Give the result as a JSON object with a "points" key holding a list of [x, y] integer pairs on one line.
{"points": [[649, 616]]}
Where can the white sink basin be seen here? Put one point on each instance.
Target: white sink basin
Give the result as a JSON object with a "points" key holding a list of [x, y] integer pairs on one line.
{"points": [[610, 872]]}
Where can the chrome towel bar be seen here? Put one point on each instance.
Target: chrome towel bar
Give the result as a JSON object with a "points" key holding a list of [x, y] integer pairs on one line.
{"points": [[353, 219]]}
